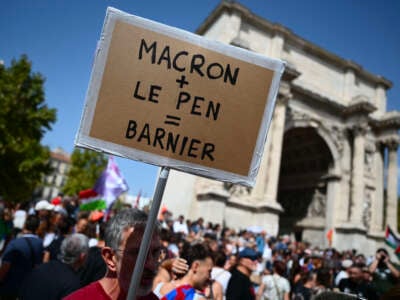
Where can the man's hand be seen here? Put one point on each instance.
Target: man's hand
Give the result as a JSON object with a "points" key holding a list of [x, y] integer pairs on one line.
{"points": [[179, 266]]}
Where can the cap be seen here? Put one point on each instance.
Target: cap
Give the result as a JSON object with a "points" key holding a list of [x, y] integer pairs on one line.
{"points": [[347, 263], [56, 200], [44, 205], [248, 253]]}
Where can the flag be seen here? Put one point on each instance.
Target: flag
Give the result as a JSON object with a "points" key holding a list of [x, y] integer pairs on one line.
{"points": [[90, 200], [390, 238], [111, 183], [138, 199], [397, 252], [329, 236]]}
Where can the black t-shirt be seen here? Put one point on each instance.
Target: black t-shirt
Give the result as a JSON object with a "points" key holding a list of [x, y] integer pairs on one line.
{"points": [[94, 269], [239, 287], [54, 247], [361, 289], [52, 280], [300, 292]]}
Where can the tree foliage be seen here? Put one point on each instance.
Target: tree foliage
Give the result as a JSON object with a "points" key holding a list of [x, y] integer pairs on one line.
{"points": [[24, 118], [86, 168]]}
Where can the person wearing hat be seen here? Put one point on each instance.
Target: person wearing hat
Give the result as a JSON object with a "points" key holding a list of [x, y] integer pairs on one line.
{"points": [[345, 265], [46, 230], [239, 286]]}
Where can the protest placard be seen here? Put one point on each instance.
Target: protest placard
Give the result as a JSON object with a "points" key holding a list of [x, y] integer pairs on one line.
{"points": [[171, 98]]}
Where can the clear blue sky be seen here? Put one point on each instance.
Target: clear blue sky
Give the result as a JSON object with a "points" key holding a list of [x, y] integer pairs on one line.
{"points": [[60, 38]]}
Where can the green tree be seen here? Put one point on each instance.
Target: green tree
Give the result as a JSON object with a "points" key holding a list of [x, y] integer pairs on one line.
{"points": [[24, 118], [86, 168]]}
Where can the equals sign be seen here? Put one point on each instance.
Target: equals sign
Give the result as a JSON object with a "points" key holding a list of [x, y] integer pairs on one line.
{"points": [[172, 120]]}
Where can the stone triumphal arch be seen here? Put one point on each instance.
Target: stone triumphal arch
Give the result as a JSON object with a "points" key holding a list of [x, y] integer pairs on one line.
{"points": [[330, 144]]}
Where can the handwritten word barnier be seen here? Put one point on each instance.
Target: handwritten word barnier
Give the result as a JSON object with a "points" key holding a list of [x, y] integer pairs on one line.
{"points": [[169, 141], [184, 61]]}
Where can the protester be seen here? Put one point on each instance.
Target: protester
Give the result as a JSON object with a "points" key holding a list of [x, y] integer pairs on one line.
{"points": [[64, 228], [41, 283], [19, 215], [343, 273], [123, 237], [240, 287], [303, 261], [303, 290], [6, 227], [19, 258], [356, 285], [218, 272], [274, 286], [200, 263], [94, 268], [46, 230], [385, 274], [180, 226]]}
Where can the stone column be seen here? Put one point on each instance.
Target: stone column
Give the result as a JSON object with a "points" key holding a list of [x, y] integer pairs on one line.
{"points": [[377, 204], [391, 203], [332, 203], [275, 152], [357, 186]]}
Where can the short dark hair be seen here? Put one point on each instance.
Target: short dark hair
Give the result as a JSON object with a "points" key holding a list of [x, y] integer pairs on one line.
{"points": [[279, 267], [195, 252], [219, 258], [32, 223], [382, 250]]}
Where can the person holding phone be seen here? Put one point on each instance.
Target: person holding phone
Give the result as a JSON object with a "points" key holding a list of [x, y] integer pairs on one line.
{"points": [[385, 273]]}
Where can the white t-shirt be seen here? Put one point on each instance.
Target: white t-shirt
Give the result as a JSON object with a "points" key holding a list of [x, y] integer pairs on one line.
{"points": [[273, 283], [222, 276], [19, 219], [180, 227], [341, 275]]}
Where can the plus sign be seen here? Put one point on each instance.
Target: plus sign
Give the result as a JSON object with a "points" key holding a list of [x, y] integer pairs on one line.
{"points": [[182, 81]]}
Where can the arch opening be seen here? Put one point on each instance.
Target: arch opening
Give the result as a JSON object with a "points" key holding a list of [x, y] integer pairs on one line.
{"points": [[302, 190]]}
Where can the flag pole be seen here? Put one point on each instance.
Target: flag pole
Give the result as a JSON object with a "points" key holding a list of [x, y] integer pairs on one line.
{"points": [[148, 233]]}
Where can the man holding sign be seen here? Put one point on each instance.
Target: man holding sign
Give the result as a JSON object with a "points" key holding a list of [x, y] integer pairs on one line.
{"points": [[164, 96], [123, 237]]}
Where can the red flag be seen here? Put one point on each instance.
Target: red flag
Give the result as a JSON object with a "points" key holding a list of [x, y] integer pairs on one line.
{"points": [[329, 236]]}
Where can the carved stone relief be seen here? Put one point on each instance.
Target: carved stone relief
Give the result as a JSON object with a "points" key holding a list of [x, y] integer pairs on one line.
{"points": [[366, 214], [369, 161], [338, 137], [317, 206], [237, 190]]}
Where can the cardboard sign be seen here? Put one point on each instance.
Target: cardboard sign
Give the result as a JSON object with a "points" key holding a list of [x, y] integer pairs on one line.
{"points": [[171, 98]]}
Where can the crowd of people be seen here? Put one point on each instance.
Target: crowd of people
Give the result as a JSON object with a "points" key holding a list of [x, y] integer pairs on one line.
{"points": [[58, 252]]}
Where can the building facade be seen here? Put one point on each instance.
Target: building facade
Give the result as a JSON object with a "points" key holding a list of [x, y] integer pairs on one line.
{"points": [[60, 162], [330, 145]]}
